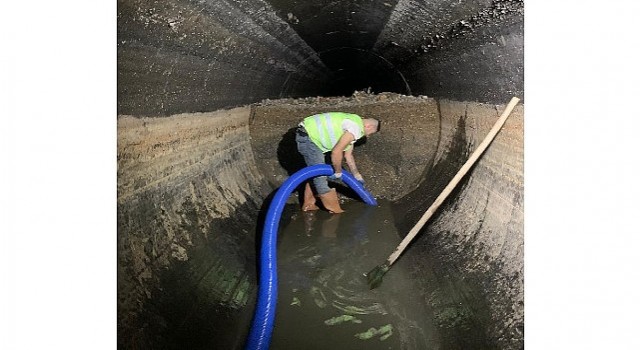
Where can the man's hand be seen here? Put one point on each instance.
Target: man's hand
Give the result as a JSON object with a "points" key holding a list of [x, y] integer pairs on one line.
{"points": [[359, 177], [336, 177]]}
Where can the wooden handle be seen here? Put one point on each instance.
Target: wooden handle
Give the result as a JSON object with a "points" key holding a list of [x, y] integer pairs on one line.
{"points": [[447, 190]]}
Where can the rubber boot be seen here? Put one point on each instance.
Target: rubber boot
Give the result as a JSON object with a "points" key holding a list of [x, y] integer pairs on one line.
{"points": [[331, 202], [309, 202]]}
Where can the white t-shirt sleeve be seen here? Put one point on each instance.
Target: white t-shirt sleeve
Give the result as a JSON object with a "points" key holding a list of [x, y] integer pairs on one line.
{"points": [[353, 128]]}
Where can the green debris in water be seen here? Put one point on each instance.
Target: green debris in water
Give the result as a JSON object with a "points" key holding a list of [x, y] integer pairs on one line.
{"points": [[388, 328], [340, 319], [385, 332], [296, 301], [384, 337], [241, 293], [368, 334]]}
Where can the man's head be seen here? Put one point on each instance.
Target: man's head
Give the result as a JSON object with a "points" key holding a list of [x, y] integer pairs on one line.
{"points": [[371, 126]]}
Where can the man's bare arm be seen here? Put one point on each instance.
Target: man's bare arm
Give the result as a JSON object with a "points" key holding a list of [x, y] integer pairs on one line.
{"points": [[338, 150], [351, 162]]}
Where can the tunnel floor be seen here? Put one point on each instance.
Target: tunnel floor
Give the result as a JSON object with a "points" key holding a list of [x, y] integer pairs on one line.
{"points": [[324, 300]]}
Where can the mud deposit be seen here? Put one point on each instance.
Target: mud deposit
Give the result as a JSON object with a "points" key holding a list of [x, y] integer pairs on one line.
{"points": [[324, 300]]}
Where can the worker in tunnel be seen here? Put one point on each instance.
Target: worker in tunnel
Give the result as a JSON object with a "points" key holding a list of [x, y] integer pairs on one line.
{"points": [[334, 132]]}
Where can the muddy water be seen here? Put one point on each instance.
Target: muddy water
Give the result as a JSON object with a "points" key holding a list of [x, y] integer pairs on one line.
{"points": [[324, 301]]}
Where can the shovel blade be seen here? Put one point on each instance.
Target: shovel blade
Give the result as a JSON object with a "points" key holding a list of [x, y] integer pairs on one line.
{"points": [[374, 277]]}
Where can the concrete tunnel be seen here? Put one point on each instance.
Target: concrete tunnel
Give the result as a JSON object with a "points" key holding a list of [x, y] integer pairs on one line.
{"points": [[207, 91]]}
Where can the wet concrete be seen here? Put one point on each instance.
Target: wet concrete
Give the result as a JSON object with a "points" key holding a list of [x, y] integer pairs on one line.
{"points": [[201, 303]]}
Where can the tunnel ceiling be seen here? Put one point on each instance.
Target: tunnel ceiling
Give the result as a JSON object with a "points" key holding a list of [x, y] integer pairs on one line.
{"points": [[343, 34], [331, 24], [185, 56]]}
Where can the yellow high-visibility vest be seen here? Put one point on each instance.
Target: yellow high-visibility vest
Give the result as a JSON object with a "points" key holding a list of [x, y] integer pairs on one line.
{"points": [[325, 129]]}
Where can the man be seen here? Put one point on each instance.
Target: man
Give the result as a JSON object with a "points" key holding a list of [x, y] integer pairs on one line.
{"points": [[334, 132]]}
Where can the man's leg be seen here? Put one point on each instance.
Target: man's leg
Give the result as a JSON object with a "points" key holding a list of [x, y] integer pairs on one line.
{"points": [[309, 202], [312, 156]]}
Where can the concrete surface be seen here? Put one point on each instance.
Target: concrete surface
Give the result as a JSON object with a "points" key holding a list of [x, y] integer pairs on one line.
{"points": [[194, 173], [178, 56]]}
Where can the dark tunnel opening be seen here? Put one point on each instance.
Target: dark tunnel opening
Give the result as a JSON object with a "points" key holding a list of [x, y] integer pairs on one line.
{"points": [[354, 69], [359, 70], [199, 118]]}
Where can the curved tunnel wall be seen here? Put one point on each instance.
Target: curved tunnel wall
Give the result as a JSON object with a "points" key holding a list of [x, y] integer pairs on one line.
{"points": [[475, 242], [187, 180], [187, 186], [177, 56]]}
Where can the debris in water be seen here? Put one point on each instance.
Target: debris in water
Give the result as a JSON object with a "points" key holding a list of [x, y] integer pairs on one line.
{"points": [[385, 331], [340, 319]]}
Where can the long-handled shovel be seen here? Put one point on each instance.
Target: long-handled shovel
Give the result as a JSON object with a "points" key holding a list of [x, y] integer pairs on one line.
{"points": [[374, 277]]}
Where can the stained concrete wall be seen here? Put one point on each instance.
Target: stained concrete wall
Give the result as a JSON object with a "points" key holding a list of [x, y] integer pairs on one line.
{"points": [[190, 181], [476, 239], [178, 56], [463, 50], [186, 183], [193, 56]]}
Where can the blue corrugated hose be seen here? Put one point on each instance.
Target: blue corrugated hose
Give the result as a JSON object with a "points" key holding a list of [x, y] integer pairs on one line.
{"points": [[265, 312]]}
